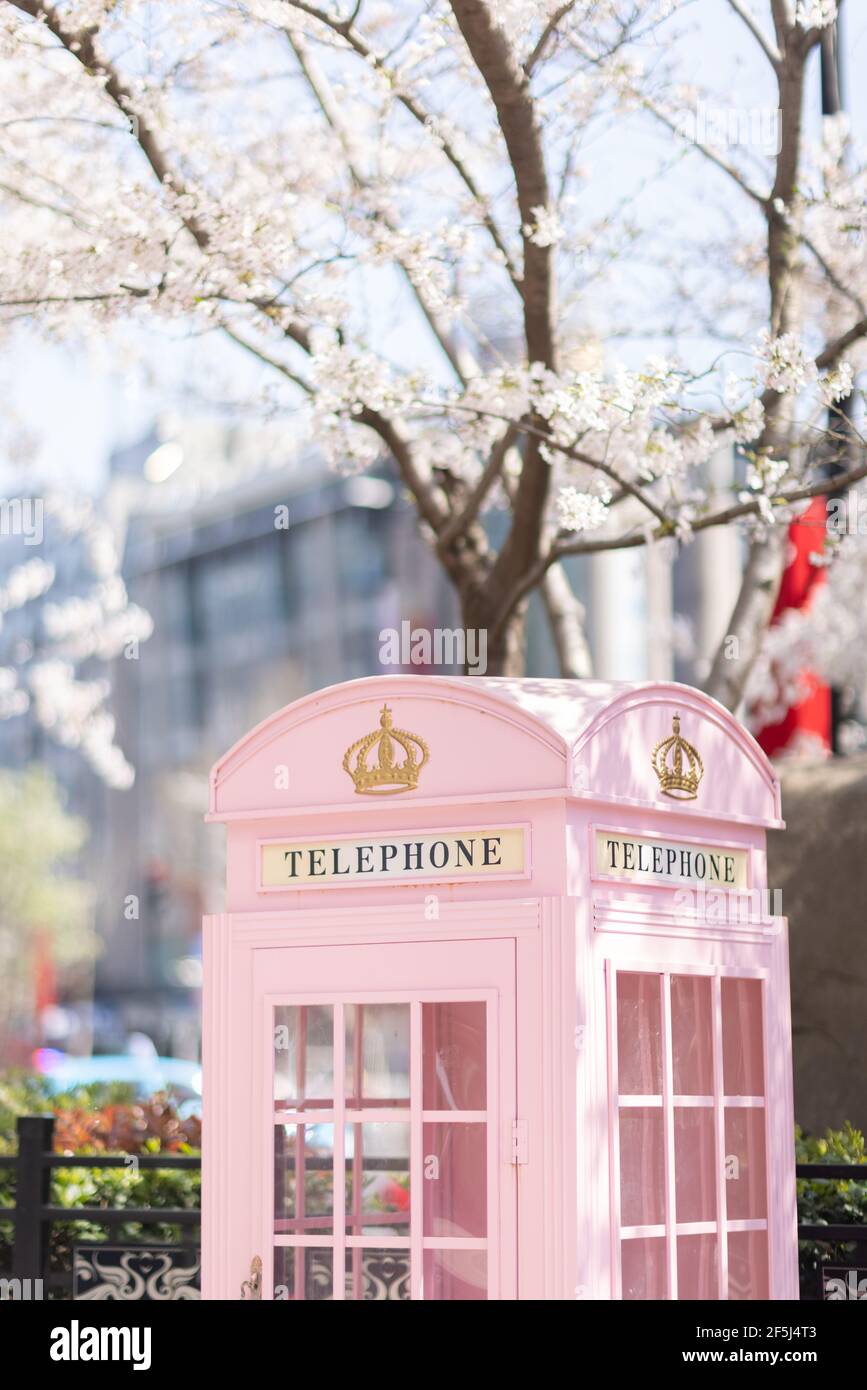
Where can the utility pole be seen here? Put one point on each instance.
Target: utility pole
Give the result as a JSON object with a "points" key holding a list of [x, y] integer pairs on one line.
{"points": [[832, 76]]}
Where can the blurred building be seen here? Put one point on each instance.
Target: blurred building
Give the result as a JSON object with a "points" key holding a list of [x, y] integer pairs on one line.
{"points": [[25, 641], [266, 579], [260, 592]]}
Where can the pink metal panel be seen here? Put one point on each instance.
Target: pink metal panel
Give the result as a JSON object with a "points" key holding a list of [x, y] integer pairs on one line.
{"points": [[509, 749], [561, 758], [612, 758], [731, 1152], [544, 848], [423, 974], [591, 739]]}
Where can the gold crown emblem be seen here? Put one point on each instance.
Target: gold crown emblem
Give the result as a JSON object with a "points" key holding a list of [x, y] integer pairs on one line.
{"points": [[386, 777], [677, 765]]}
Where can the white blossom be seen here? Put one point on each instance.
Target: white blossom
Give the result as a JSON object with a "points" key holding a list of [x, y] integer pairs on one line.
{"points": [[546, 229], [785, 363], [766, 474], [816, 14], [352, 223], [580, 511], [837, 385], [748, 422]]}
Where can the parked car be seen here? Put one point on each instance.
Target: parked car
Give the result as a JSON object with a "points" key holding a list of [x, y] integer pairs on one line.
{"points": [[180, 1079]]}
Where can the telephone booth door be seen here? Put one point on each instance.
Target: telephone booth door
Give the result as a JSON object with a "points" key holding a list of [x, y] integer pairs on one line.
{"points": [[700, 1106], [380, 1167]]}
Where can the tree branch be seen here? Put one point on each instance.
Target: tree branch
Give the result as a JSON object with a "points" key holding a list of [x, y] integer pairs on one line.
{"points": [[547, 34], [711, 155], [321, 90], [769, 49], [431, 509], [266, 358], [410, 104], [81, 45], [566, 616], [461, 520], [630, 541], [832, 352], [509, 89]]}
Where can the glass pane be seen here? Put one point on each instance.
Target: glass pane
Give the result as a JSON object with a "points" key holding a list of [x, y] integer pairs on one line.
{"points": [[377, 1178], [639, 1035], [642, 1190], [692, 1035], [697, 1267], [455, 1169], [743, 1073], [453, 1056], [303, 1273], [694, 1164], [303, 1178], [377, 1054], [378, 1276], [304, 1056], [746, 1178], [642, 1265], [748, 1265], [453, 1275]]}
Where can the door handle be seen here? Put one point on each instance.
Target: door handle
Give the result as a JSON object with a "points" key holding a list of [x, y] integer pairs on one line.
{"points": [[252, 1286]]}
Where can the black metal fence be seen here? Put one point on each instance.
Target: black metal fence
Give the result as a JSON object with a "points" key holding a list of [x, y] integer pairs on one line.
{"points": [[34, 1215], [842, 1247]]}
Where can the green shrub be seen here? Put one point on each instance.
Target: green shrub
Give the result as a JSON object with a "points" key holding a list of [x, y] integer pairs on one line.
{"points": [[830, 1203], [101, 1119]]}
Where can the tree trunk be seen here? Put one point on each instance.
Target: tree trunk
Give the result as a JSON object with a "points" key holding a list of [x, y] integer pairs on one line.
{"points": [[750, 620], [505, 646], [566, 615]]}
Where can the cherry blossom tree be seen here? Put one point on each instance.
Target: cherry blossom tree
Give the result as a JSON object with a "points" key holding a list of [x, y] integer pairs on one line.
{"points": [[45, 908], [270, 171], [50, 663]]}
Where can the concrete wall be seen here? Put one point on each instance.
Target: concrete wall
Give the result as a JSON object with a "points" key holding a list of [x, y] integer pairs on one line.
{"points": [[820, 864]]}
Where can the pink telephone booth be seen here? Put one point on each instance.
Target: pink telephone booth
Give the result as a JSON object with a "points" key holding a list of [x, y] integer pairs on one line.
{"points": [[497, 1008]]}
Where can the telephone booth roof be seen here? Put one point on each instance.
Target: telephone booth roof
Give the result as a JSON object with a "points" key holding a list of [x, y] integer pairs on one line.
{"points": [[497, 739]]}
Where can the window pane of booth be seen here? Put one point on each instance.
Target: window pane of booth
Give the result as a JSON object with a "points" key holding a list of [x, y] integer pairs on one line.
{"points": [[304, 1056], [303, 1179], [377, 1178], [746, 1176], [377, 1054], [642, 1264], [451, 1275], [743, 1070], [642, 1187], [694, 1163], [748, 1265], [639, 1034], [692, 1035], [697, 1267], [378, 1276], [454, 1052], [455, 1174], [303, 1273]]}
